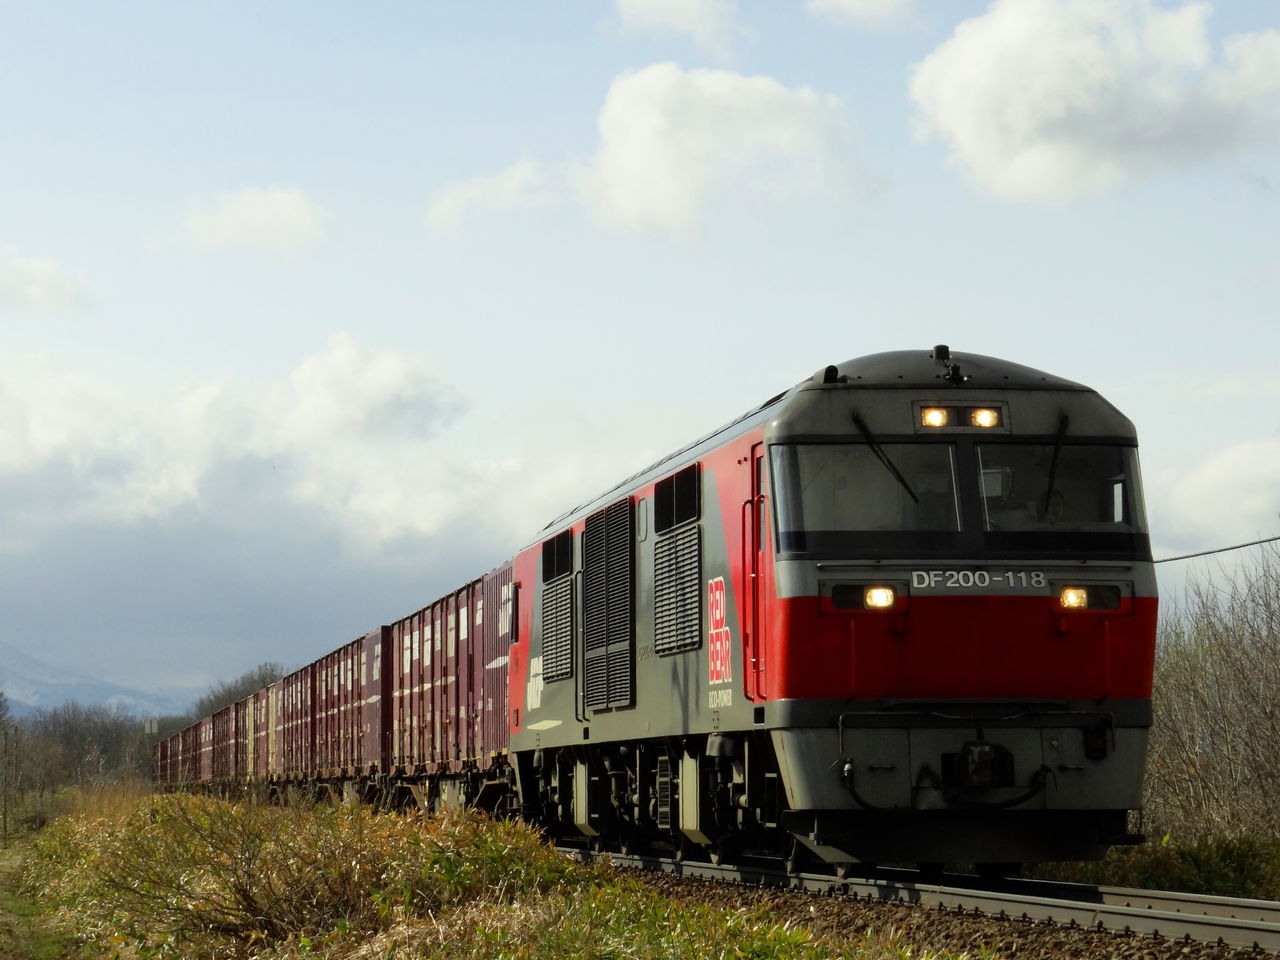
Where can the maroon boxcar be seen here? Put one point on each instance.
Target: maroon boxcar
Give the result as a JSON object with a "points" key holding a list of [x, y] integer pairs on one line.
{"points": [[337, 715], [499, 606], [223, 745], [263, 727], [189, 763], [204, 769], [242, 768], [374, 729], [298, 714]]}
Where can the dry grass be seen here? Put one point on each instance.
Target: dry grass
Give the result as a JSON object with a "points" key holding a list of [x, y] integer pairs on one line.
{"points": [[191, 877]]}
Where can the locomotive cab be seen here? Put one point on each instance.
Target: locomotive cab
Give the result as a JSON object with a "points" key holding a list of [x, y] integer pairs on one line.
{"points": [[960, 636]]}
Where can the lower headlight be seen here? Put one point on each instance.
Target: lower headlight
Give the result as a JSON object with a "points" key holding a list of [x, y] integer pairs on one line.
{"points": [[1074, 598], [879, 598]]}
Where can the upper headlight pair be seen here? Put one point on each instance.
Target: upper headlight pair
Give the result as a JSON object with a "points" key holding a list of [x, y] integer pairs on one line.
{"points": [[983, 417]]}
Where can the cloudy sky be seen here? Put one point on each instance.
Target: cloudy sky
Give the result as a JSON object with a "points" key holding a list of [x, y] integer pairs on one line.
{"points": [[309, 312]]}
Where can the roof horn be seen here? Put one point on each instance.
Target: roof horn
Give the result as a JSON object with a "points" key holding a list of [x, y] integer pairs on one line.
{"points": [[942, 355]]}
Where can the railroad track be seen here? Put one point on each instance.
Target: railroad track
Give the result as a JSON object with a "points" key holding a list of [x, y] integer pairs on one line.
{"points": [[1232, 921]]}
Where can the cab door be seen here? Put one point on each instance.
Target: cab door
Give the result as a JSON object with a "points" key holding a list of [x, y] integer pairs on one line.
{"points": [[755, 545]]}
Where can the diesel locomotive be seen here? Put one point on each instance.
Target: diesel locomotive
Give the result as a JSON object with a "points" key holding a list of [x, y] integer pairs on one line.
{"points": [[902, 612]]}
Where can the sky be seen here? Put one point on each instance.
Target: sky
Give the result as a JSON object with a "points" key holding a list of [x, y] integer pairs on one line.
{"points": [[310, 313]]}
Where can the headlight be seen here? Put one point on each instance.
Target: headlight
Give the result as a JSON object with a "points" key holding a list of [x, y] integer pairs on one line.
{"points": [[879, 598], [984, 417], [957, 417], [935, 416], [1096, 596], [1074, 598]]}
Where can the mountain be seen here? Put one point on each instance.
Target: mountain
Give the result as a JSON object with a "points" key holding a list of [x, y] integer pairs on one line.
{"points": [[31, 684]]}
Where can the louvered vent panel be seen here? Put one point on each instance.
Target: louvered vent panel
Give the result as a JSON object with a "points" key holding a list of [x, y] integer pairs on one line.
{"points": [[620, 693], [677, 591], [608, 575], [595, 594], [619, 518], [557, 630], [619, 565], [664, 793], [596, 692]]}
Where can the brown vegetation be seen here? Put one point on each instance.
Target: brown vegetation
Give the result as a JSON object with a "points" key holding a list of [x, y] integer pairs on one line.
{"points": [[1215, 753], [1213, 774]]}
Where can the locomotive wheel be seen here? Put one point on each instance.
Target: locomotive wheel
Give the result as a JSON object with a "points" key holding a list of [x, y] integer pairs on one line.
{"points": [[631, 843], [686, 850], [723, 852], [797, 857]]}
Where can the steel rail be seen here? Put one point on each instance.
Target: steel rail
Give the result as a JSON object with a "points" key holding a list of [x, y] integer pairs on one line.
{"points": [[1248, 924], [1170, 901]]}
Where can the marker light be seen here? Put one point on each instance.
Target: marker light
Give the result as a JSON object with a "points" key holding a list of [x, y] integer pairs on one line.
{"points": [[879, 598], [935, 416], [984, 417], [1074, 598]]}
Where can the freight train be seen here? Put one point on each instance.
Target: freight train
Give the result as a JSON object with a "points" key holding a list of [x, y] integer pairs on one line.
{"points": [[901, 612]]}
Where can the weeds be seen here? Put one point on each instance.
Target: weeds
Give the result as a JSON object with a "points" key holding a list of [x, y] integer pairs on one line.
{"points": [[215, 877], [1227, 866], [193, 877]]}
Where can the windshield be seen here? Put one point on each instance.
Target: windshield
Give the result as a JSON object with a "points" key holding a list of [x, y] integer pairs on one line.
{"points": [[836, 488], [996, 499], [1035, 487]]}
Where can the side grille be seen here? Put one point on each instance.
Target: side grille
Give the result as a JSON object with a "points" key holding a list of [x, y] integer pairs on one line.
{"points": [[677, 591], [557, 630], [664, 792], [608, 576]]}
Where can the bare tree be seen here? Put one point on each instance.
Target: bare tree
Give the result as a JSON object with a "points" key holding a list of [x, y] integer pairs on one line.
{"points": [[98, 743], [229, 691], [1215, 750]]}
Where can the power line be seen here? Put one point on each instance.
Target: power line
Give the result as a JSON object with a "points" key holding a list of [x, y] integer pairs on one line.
{"points": [[1205, 553]]}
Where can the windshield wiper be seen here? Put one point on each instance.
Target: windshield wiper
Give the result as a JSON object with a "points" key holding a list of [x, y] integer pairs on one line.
{"points": [[1053, 462], [883, 457]]}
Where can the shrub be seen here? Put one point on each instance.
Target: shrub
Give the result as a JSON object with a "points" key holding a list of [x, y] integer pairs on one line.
{"points": [[1238, 866], [196, 878], [1214, 768], [193, 872]]}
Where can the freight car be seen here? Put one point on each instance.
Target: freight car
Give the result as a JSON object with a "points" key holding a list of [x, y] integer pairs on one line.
{"points": [[904, 611]]}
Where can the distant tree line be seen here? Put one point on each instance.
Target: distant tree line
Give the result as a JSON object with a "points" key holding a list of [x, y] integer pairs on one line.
{"points": [[89, 746]]}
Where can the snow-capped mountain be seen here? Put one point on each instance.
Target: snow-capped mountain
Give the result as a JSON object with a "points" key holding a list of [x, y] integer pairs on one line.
{"points": [[31, 684]]}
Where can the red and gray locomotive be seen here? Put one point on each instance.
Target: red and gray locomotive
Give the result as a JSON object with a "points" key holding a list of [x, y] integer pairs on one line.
{"points": [[902, 612]]}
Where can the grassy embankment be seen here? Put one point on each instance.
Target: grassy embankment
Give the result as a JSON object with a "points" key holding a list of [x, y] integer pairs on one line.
{"points": [[178, 876], [193, 878], [28, 931], [1227, 865]]}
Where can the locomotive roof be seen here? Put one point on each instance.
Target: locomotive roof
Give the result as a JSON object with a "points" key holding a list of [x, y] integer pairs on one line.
{"points": [[933, 368], [895, 369]]}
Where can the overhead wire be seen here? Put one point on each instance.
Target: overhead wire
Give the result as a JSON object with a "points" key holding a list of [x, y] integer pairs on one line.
{"points": [[1206, 553]]}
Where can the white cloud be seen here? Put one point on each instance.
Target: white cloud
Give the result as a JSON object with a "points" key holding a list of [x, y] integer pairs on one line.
{"points": [[1046, 100], [275, 219], [524, 184], [671, 139], [868, 14], [1232, 496], [37, 284], [320, 437], [370, 440], [708, 22]]}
